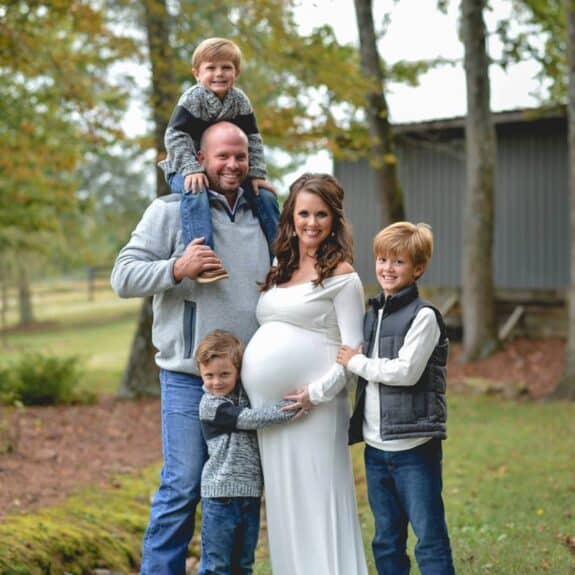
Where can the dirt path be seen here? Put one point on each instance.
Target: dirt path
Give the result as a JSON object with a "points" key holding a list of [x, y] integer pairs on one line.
{"points": [[56, 450]]}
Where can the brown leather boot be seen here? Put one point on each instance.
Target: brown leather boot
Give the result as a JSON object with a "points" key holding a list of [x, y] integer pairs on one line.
{"points": [[212, 276]]}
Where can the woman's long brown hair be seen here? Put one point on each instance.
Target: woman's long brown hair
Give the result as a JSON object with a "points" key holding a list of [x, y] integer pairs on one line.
{"points": [[336, 248]]}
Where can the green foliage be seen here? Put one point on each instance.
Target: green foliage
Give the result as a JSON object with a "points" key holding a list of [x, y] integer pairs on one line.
{"points": [[113, 194], [37, 379], [55, 104], [98, 332], [537, 31], [295, 82], [408, 72], [97, 528], [8, 387], [60, 109]]}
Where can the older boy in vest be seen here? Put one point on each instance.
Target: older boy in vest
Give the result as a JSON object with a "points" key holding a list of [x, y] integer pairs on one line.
{"points": [[400, 409]]}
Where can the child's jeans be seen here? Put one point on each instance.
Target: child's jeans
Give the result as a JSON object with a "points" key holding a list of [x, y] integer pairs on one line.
{"points": [[195, 211], [230, 529], [405, 487]]}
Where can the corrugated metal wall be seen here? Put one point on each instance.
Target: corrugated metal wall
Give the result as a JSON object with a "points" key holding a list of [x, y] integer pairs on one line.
{"points": [[532, 208]]}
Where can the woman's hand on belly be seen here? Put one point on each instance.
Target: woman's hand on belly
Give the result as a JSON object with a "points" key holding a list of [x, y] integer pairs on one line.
{"points": [[301, 401]]}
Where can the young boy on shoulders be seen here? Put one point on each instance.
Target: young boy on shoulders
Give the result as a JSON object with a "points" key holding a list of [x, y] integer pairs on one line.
{"points": [[216, 66], [400, 410], [232, 481]]}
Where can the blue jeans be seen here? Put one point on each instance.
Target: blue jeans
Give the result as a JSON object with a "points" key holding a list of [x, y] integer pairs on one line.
{"points": [[197, 221], [405, 487], [230, 529], [172, 515]]}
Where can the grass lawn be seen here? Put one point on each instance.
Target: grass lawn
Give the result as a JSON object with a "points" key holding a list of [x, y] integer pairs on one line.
{"points": [[509, 489], [510, 486], [98, 332], [509, 471]]}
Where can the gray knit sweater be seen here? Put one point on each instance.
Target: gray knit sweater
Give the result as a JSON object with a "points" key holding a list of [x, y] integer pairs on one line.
{"points": [[233, 468], [197, 109]]}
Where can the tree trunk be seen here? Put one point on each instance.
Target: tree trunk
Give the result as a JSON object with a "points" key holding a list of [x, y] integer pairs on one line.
{"points": [[479, 328], [164, 89], [566, 387], [382, 155], [24, 295], [4, 303], [140, 377]]}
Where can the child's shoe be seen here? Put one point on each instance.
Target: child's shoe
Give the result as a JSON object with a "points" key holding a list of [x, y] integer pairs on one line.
{"points": [[212, 276]]}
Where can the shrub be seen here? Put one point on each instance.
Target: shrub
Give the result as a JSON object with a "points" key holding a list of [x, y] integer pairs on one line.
{"points": [[8, 387], [37, 379]]}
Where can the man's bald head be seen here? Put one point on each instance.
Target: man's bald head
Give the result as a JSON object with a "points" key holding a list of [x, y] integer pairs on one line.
{"points": [[222, 131], [224, 156]]}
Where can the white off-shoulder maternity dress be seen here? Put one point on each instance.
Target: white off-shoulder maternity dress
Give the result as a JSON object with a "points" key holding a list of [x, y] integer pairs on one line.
{"points": [[312, 520]]}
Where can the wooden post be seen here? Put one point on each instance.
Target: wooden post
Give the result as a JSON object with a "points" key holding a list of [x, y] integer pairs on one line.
{"points": [[511, 322], [449, 304]]}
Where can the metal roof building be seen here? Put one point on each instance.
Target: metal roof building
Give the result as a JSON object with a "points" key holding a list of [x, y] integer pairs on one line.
{"points": [[531, 250]]}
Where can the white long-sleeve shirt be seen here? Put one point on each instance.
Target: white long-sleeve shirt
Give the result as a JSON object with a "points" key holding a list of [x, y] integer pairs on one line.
{"points": [[404, 370]]}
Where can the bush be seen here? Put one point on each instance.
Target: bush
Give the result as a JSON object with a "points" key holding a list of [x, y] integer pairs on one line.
{"points": [[42, 380], [8, 388]]}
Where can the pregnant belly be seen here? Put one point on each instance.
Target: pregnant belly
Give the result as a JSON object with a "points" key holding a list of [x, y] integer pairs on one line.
{"points": [[281, 358]]}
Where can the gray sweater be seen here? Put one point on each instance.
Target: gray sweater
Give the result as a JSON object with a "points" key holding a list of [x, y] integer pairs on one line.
{"points": [[185, 312], [233, 468], [199, 108]]}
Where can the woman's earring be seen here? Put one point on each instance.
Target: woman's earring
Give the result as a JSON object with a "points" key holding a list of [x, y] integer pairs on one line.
{"points": [[293, 234], [332, 234]]}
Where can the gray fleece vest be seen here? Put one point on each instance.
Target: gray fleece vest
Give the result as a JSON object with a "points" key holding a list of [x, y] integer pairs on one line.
{"points": [[412, 411]]}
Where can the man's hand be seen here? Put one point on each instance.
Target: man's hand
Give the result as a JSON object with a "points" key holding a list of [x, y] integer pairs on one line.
{"points": [[195, 260], [345, 353], [258, 183], [196, 183]]}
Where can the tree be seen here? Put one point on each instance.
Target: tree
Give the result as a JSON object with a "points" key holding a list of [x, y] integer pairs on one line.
{"points": [[566, 387], [54, 106], [536, 32], [274, 73], [24, 295], [296, 84], [141, 374], [382, 155], [479, 328]]}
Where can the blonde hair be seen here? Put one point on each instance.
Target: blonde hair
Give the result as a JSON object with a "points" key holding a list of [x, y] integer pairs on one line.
{"points": [[215, 50], [217, 344], [414, 239]]}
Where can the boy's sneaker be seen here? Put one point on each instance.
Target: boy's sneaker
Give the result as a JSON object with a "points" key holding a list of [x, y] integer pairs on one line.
{"points": [[212, 276]]}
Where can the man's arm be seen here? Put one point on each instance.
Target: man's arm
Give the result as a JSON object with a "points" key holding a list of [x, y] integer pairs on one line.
{"points": [[144, 266]]}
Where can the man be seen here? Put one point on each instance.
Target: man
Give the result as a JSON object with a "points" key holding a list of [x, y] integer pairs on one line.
{"points": [[156, 262]]}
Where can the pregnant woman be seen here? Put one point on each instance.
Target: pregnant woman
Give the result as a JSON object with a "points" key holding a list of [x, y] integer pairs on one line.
{"points": [[312, 302]]}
